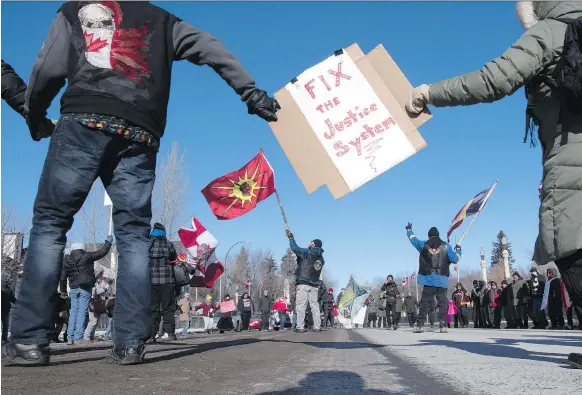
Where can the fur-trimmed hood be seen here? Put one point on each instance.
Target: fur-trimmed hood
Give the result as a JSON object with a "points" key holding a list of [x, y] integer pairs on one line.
{"points": [[531, 12]]}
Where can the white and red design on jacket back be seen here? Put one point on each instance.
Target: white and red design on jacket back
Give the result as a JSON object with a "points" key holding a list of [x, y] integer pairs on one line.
{"points": [[201, 246], [109, 47]]}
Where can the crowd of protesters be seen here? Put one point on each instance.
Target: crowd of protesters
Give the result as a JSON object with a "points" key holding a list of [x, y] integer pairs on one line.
{"points": [[514, 303]]}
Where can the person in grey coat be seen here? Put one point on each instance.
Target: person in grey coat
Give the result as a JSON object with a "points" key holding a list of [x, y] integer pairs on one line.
{"points": [[530, 62]]}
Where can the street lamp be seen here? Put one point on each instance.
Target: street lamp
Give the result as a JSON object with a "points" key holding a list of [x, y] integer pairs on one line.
{"points": [[483, 265], [504, 245], [225, 262]]}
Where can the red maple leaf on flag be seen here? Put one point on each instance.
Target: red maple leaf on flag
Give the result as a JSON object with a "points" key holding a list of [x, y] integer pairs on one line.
{"points": [[93, 45]]}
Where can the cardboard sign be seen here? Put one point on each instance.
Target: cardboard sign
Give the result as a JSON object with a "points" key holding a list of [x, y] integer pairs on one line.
{"points": [[227, 307], [343, 122]]}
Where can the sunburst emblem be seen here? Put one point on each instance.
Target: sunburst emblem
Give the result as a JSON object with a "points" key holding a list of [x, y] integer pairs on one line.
{"points": [[243, 190]]}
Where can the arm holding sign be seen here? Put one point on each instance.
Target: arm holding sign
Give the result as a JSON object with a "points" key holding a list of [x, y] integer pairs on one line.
{"points": [[501, 77]]}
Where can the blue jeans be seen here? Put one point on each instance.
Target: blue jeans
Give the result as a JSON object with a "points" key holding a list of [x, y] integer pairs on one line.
{"points": [[109, 326], [282, 318], [80, 298], [77, 156], [185, 327]]}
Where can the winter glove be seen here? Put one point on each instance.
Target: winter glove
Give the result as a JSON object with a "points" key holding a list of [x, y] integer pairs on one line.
{"points": [[109, 239], [409, 226], [289, 234], [262, 105], [418, 99], [457, 248], [40, 128]]}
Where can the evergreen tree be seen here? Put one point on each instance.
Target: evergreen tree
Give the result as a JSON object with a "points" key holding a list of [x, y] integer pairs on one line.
{"points": [[497, 252]]}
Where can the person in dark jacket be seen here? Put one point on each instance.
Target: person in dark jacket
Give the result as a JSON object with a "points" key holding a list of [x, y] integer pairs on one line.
{"points": [[536, 287], [476, 299], [115, 108], [327, 302], [392, 293], [265, 304], [246, 308], [433, 273], [13, 93], [485, 301], [505, 299], [310, 263], [519, 299], [62, 316], [555, 301], [495, 307], [163, 282], [322, 291], [410, 305], [461, 296], [79, 268], [7, 300]]}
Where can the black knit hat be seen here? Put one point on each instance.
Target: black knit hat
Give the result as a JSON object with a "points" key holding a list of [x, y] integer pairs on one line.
{"points": [[504, 282], [515, 274], [433, 232], [317, 243], [159, 226]]}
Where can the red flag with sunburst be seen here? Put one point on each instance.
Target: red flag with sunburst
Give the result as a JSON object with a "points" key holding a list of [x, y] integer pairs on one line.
{"points": [[237, 193]]}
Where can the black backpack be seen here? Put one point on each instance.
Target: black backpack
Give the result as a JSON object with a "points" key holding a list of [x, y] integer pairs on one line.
{"points": [[566, 77], [568, 72]]}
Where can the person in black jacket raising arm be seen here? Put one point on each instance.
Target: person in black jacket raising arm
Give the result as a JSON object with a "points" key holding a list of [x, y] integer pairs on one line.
{"points": [[79, 268]]}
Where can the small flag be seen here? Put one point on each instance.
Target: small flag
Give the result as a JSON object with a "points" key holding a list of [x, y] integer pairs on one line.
{"points": [[413, 275], [405, 281], [201, 246], [107, 200], [472, 207], [237, 193]]}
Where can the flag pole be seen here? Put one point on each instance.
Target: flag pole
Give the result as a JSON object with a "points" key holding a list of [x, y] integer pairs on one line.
{"points": [[282, 211], [478, 212]]}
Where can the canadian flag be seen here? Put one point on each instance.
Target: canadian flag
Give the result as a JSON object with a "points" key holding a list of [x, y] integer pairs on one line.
{"points": [[201, 246], [413, 275], [405, 281]]}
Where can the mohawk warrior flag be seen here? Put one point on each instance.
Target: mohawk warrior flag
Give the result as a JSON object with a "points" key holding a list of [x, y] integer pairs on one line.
{"points": [[237, 193], [473, 206], [201, 246], [413, 276]]}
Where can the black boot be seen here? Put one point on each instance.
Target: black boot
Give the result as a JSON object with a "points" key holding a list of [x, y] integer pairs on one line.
{"points": [[130, 355], [575, 359], [26, 354]]}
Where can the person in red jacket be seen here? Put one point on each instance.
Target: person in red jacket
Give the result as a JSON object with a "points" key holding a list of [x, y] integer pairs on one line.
{"points": [[281, 307], [208, 309], [496, 305]]}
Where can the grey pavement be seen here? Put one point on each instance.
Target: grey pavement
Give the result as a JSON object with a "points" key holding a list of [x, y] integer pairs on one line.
{"points": [[486, 361], [367, 361]]}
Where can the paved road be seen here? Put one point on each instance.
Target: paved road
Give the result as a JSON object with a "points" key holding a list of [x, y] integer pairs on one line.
{"points": [[334, 362]]}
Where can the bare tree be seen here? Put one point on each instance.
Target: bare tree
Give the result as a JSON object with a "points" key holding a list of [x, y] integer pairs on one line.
{"points": [[10, 224], [169, 197]]}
